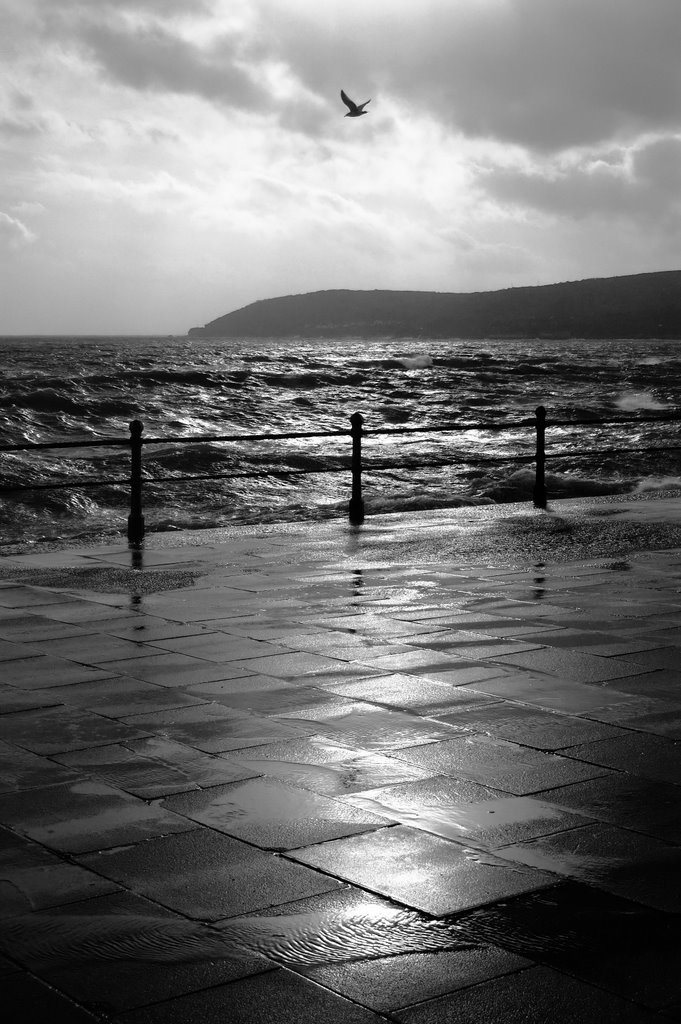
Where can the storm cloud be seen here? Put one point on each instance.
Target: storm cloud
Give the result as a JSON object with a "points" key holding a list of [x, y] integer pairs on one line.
{"points": [[202, 144], [547, 75]]}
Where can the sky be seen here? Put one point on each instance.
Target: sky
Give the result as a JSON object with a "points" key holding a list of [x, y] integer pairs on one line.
{"points": [[164, 162]]}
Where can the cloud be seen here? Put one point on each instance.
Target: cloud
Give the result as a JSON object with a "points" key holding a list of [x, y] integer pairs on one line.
{"points": [[13, 232], [657, 167], [643, 183], [546, 75], [156, 59]]}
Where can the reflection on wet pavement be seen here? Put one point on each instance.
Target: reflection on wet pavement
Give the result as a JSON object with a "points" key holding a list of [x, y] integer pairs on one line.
{"points": [[492, 823], [359, 933], [426, 787], [272, 815], [336, 778]]}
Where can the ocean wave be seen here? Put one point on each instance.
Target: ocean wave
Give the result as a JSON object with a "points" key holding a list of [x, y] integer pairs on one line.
{"points": [[174, 376], [519, 485], [44, 400], [384, 504]]}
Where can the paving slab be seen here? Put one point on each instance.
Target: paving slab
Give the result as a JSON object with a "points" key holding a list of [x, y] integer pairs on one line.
{"points": [[20, 770], [278, 995], [37, 673], [534, 996], [85, 815], [387, 984], [410, 693], [625, 948], [291, 664], [206, 875], [333, 778], [14, 699], [532, 727], [93, 648], [29, 597], [56, 729], [651, 757], [437, 806], [113, 985], [273, 815], [221, 647], [213, 727], [280, 699], [500, 764], [171, 669], [152, 775], [626, 863], [14, 652], [369, 727], [567, 696], [573, 666], [421, 870], [41, 1002], [33, 878], [629, 801], [118, 696]]}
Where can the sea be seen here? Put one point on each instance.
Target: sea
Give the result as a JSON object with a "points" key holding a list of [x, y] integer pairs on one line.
{"points": [[85, 389]]}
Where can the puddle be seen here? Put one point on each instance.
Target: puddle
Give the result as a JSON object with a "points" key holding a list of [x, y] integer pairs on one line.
{"points": [[456, 820], [365, 932], [369, 771], [568, 919]]}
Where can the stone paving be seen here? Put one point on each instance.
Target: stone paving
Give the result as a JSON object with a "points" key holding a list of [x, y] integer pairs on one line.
{"points": [[295, 774]]}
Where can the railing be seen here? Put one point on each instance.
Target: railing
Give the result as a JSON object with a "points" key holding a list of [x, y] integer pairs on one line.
{"points": [[136, 443]]}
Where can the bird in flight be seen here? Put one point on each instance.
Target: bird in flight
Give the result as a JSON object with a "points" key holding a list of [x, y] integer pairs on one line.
{"points": [[354, 109]]}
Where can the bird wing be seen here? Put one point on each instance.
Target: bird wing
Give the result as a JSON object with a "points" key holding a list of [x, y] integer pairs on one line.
{"points": [[348, 102]]}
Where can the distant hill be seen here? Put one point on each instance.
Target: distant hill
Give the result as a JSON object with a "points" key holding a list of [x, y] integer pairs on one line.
{"points": [[636, 306]]}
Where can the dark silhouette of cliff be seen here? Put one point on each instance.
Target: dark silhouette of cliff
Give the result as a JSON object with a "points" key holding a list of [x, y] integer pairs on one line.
{"points": [[636, 306]]}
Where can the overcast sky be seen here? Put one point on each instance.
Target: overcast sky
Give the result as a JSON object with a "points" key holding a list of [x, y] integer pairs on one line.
{"points": [[167, 161]]}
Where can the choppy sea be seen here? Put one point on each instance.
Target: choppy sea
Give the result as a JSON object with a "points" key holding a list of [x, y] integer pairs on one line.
{"points": [[85, 389]]}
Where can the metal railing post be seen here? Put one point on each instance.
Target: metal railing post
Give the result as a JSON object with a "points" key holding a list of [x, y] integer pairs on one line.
{"points": [[539, 493], [356, 507], [136, 519]]}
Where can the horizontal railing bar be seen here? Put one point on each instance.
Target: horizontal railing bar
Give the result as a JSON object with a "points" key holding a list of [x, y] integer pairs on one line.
{"points": [[611, 451], [368, 467], [76, 485], [109, 442], [72, 486], [203, 438], [598, 422], [116, 442], [243, 476]]}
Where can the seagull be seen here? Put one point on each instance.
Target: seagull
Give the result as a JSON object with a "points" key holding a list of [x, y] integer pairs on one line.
{"points": [[355, 110]]}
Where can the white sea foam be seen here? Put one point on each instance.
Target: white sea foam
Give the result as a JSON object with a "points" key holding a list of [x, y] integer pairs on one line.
{"points": [[416, 362], [633, 401], [657, 483]]}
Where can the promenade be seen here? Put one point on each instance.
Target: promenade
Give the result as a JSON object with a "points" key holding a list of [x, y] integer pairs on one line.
{"points": [[427, 770]]}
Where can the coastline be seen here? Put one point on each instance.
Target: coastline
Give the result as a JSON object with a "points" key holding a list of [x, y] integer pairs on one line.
{"points": [[585, 527]]}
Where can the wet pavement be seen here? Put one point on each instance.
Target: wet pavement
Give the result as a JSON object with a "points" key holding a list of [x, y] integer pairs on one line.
{"points": [[425, 770]]}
